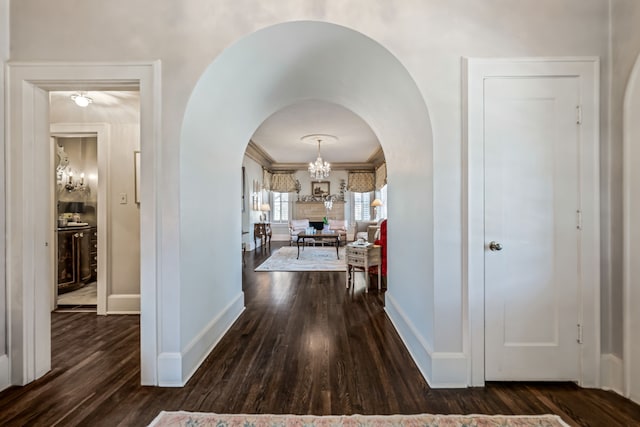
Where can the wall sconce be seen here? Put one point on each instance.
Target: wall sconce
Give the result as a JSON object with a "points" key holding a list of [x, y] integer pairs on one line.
{"points": [[74, 185]]}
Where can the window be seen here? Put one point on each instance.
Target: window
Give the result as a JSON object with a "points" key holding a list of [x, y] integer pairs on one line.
{"points": [[280, 207], [362, 206]]}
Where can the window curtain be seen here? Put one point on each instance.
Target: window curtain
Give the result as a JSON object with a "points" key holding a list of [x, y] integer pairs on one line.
{"points": [[361, 182], [381, 176], [283, 182], [266, 180]]}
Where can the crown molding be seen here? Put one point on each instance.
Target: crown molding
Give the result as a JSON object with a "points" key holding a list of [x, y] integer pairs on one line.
{"points": [[335, 166], [377, 158], [257, 154]]}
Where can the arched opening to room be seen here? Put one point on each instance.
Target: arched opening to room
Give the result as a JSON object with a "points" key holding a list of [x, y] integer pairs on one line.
{"points": [[261, 74]]}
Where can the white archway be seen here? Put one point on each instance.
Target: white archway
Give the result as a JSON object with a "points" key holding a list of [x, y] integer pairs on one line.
{"points": [[632, 234], [260, 74]]}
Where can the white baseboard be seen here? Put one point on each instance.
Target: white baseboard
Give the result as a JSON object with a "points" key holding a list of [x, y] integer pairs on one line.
{"points": [[123, 304], [449, 370], [170, 370], [440, 370], [175, 369], [5, 376], [200, 347], [612, 373]]}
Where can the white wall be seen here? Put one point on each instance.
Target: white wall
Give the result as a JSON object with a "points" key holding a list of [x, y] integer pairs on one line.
{"points": [[625, 86], [427, 37], [123, 239], [625, 43]]}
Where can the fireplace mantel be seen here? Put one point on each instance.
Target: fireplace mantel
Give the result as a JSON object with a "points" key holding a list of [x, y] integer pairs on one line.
{"points": [[315, 211]]}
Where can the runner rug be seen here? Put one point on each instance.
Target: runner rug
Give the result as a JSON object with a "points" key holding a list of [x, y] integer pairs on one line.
{"points": [[312, 258], [198, 419]]}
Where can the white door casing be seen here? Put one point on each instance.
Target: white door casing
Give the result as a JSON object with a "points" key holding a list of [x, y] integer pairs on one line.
{"points": [[531, 206], [29, 230], [103, 135], [586, 72]]}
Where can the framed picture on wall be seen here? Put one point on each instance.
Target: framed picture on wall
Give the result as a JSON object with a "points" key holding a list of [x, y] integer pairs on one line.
{"points": [[320, 188]]}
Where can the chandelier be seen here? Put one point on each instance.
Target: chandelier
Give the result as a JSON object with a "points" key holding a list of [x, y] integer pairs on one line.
{"points": [[319, 169]]}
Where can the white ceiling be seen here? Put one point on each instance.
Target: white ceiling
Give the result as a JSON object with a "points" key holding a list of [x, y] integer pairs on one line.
{"points": [[113, 106], [279, 135]]}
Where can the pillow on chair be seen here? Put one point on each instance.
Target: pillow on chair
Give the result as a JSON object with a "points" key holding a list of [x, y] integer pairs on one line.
{"points": [[363, 228], [298, 224], [295, 227], [338, 225]]}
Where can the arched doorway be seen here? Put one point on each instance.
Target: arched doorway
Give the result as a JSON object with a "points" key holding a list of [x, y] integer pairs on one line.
{"points": [[260, 74]]}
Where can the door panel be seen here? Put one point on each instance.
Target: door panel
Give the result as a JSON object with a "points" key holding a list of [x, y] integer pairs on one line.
{"points": [[531, 203]]}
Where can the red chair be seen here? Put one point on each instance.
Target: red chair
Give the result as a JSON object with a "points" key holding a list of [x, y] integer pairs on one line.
{"points": [[382, 241]]}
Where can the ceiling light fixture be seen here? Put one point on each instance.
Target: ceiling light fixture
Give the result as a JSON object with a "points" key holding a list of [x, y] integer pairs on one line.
{"points": [[81, 99], [319, 169]]}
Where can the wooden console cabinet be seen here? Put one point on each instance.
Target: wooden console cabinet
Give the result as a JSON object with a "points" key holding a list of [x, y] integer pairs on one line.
{"points": [[77, 257], [262, 231]]}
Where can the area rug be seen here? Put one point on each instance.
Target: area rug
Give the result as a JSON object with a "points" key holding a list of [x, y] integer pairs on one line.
{"points": [[199, 419], [312, 258]]}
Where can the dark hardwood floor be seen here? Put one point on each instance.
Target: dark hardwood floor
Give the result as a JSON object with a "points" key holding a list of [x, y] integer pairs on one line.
{"points": [[304, 345]]}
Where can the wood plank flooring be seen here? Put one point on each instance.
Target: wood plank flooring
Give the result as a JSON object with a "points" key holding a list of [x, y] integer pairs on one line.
{"points": [[304, 345]]}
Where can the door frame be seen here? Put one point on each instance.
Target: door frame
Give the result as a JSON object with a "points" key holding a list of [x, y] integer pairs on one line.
{"points": [[475, 71], [28, 300], [103, 136], [631, 197]]}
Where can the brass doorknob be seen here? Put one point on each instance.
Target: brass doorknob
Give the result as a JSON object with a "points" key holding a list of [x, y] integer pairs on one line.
{"points": [[495, 246]]}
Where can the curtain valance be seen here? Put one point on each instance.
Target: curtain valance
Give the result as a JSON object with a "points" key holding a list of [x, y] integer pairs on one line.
{"points": [[361, 182], [381, 176], [283, 182]]}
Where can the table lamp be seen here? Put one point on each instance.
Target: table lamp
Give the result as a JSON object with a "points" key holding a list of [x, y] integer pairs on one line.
{"points": [[265, 207]]}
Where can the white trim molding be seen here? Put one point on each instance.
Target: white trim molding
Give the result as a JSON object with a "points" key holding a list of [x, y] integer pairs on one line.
{"points": [[5, 379], [27, 229], [475, 71], [440, 369], [123, 304], [103, 132], [175, 369], [612, 373], [631, 316]]}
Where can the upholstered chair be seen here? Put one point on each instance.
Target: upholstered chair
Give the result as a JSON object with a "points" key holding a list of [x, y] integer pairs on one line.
{"points": [[366, 230], [295, 227], [382, 241], [338, 226]]}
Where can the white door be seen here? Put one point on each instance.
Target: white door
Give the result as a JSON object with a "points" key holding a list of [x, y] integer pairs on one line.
{"points": [[532, 198]]}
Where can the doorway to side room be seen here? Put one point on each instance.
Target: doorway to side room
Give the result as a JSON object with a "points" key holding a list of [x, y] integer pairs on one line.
{"points": [[76, 211]]}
